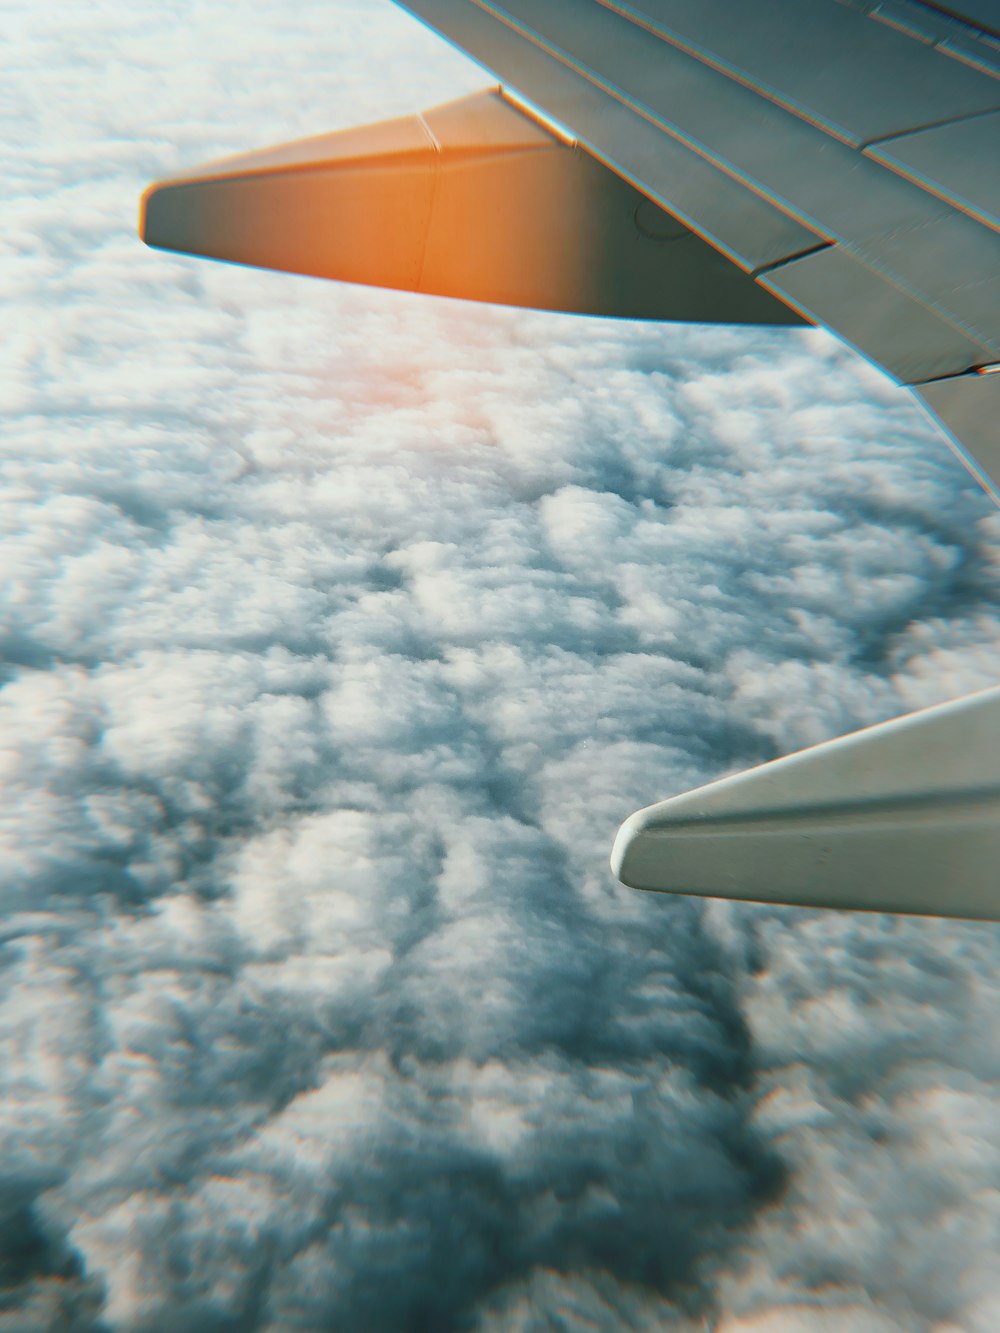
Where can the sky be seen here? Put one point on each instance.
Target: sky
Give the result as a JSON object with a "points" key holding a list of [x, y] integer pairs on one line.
{"points": [[341, 630]]}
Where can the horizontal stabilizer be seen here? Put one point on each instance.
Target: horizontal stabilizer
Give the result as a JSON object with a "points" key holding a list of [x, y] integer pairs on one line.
{"points": [[476, 199], [901, 817]]}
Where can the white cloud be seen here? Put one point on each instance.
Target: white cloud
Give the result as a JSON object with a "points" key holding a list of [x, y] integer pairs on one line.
{"points": [[342, 629]]}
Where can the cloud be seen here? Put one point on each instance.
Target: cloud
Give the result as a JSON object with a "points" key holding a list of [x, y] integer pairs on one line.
{"points": [[342, 628]]}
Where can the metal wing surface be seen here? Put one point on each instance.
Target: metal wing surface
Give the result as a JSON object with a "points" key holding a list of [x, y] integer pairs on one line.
{"points": [[844, 155]]}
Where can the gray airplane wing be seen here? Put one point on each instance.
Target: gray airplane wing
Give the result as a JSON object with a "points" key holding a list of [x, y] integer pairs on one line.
{"points": [[820, 161], [782, 161], [847, 156]]}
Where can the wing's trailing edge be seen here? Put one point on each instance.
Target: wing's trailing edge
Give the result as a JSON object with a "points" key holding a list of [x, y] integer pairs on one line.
{"points": [[901, 817]]}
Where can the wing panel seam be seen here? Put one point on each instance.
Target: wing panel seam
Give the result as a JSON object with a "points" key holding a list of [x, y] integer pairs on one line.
{"points": [[930, 125], [790, 259]]}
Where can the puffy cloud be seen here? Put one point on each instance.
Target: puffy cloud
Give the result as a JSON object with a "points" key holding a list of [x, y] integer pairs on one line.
{"points": [[341, 630]]}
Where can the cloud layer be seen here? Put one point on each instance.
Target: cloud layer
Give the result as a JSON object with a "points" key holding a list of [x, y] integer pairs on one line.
{"points": [[342, 628]]}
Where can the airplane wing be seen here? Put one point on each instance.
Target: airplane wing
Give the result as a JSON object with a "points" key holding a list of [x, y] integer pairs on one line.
{"points": [[787, 161], [866, 138]]}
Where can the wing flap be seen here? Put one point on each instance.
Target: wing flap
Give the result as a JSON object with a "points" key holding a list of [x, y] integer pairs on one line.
{"points": [[858, 79], [948, 160], [909, 339]]}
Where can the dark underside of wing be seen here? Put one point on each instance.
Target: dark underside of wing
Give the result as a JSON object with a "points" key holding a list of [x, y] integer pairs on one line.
{"points": [[844, 155]]}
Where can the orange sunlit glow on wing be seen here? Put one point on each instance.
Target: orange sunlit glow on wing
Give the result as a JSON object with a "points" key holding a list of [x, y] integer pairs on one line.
{"points": [[477, 199]]}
